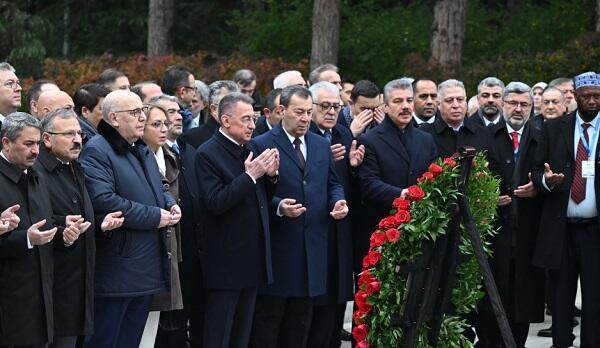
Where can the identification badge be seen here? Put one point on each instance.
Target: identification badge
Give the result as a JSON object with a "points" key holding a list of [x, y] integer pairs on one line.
{"points": [[588, 170]]}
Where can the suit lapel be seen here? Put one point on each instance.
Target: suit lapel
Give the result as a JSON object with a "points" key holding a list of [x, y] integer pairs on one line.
{"points": [[282, 140], [568, 133]]}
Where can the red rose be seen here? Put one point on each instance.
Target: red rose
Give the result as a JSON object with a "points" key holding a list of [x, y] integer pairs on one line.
{"points": [[360, 332], [357, 317], [392, 235], [425, 176], [402, 216], [360, 298], [415, 193], [388, 222], [365, 263], [362, 344], [373, 287], [450, 162], [373, 257], [365, 308], [401, 204], [435, 169], [377, 239]]}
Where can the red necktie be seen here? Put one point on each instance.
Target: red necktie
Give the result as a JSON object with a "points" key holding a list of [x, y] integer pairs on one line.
{"points": [[578, 186]]}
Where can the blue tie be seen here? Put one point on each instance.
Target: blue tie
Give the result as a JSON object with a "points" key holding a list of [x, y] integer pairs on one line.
{"points": [[328, 135], [175, 148]]}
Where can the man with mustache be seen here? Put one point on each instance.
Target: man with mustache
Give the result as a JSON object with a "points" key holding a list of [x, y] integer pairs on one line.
{"points": [[26, 252], [425, 92], [489, 98], [569, 243], [73, 214]]}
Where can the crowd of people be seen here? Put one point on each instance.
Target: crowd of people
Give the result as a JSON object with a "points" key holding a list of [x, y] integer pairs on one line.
{"points": [[174, 213]]}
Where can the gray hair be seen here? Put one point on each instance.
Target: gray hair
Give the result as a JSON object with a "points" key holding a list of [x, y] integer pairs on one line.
{"points": [[323, 86], [393, 85], [560, 80], [13, 125], [282, 79], [108, 106], [244, 77], [202, 89], [4, 66], [216, 87], [550, 89], [471, 102], [315, 75], [158, 98], [229, 101], [518, 88], [47, 123], [490, 82], [451, 83]]}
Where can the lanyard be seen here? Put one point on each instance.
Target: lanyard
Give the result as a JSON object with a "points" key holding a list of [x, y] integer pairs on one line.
{"points": [[584, 142]]}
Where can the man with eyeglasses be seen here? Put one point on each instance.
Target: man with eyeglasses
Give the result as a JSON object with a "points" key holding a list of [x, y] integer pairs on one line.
{"points": [[489, 98], [121, 174], [307, 196], [10, 91], [328, 313], [568, 243], [519, 282], [53, 100], [425, 91], [553, 106], [179, 82], [74, 254]]}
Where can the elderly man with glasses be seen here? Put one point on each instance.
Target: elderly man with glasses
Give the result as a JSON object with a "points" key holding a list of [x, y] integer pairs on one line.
{"points": [[121, 174], [10, 91]]}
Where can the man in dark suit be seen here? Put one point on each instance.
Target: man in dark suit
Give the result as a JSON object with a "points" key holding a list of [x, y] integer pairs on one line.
{"points": [[198, 135], [364, 108], [451, 130], [74, 257], [328, 313], [272, 114], [520, 283], [307, 195], [426, 108], [26, 254], [235, 242], [568, 243], [489, 98], [395, 156], [553, 106]]}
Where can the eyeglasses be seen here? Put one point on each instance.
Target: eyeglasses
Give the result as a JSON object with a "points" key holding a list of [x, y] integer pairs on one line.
{"points": [[325, 106], [159, 124], [69, 134], [12, 84], [514, 104], [133, 112]]}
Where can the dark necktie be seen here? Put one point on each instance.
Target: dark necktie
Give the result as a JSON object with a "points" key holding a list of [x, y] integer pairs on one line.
{"points": [[327, 135], [299, 154], [578, 186], [175, 148], [515, 142]]}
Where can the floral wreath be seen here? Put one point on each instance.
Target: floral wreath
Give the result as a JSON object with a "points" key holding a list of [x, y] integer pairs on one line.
{"points": [[423, 215]]}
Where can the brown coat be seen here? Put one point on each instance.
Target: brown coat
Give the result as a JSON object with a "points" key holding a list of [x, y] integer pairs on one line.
{"points": [[172, 299]]}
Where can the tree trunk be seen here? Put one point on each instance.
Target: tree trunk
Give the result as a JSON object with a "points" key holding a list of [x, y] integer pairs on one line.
{"points": [[448, 34], [597, 23], [325, 32], [160, 24]]}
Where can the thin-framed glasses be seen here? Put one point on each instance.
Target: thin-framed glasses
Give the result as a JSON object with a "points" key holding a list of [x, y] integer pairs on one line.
{"points": [[325, 106], [159, 124], [12, 84], [133, 112], [69, 134]]}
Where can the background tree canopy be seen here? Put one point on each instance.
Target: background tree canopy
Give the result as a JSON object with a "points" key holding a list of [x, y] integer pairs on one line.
{"points": [[530, 40]]}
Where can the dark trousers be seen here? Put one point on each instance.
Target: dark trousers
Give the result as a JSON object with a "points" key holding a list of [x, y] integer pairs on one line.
{"points": [[40, 345], [581, 257], [281, 322], [229, 315], [192, 290], [119, 322], [326, 325], [64, 342]]}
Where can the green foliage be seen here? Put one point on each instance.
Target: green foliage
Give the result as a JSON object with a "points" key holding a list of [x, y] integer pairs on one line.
{"points": [[20, 39]]}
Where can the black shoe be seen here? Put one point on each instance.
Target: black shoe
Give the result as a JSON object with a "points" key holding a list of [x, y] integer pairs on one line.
{"points": [[345, 335], [545, 332], [576, 311]]}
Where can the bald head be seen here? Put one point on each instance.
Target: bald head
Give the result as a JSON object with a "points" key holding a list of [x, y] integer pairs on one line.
{"points": [[122, 110], [52, 100]]}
